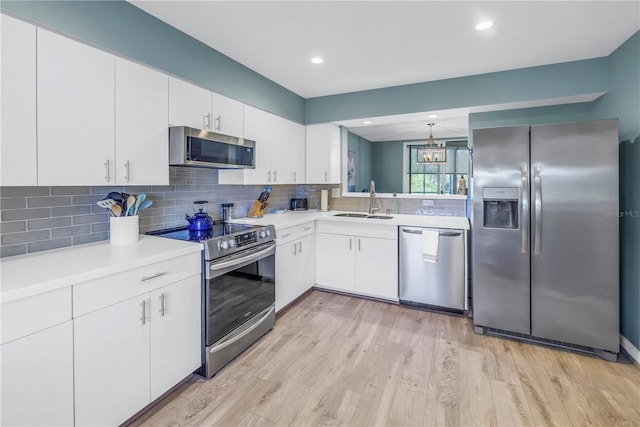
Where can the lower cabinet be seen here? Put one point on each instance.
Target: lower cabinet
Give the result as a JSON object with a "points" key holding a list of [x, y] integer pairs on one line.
{"points": [[129, 353], [295, 262], [37, 378], [358, 264]]}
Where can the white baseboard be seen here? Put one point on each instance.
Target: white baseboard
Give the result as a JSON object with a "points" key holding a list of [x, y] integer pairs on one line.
{"points": [[630, 349]]}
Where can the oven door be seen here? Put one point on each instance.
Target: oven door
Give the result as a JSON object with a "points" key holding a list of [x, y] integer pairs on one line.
{"points": [[238, 288]]}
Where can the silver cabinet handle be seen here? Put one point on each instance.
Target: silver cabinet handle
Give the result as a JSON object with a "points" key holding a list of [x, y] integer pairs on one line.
{"points": [[275, 176], [153, 276], [107, 177], [218, 122], [524, 172], [349, 243], [326, 177], [295, 249], [538, 184], [300, 247], [307, 228], [294, 177], [206, 121], [286, 235], [163, 309], [127, 166], [268, 176], [144, 312], [359, 244]]}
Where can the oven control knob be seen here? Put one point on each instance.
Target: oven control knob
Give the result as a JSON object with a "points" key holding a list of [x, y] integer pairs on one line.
{"points": [[262, 234], [224, 245], [232, 243], [268, 233]]}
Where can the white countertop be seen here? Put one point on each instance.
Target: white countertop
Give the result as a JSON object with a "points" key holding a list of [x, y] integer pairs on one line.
{"points": [[290, 219], [26, 275]]}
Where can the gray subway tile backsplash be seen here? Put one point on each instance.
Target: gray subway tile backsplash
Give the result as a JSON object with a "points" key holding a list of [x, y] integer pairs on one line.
{"points": [[67, 216]]}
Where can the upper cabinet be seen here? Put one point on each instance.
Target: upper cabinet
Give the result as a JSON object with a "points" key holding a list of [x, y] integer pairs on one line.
{"points": [[196, 107], [141, 106], [18, 159], [278, 153], [76, 118], [189, 105], [228, 115], [323, 154]]}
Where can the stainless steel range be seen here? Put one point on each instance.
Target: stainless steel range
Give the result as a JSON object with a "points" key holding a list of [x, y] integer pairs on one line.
{"points": [[238, 288]]}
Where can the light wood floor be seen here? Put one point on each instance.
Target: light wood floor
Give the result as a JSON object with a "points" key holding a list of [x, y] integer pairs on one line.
{"points": [[336, 360]]}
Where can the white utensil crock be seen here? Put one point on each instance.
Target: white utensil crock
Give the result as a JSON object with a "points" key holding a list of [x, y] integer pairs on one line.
{"points": [[124, 230]]}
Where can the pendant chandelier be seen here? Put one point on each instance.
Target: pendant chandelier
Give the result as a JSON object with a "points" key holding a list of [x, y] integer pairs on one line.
{"points": [[432, 152]]}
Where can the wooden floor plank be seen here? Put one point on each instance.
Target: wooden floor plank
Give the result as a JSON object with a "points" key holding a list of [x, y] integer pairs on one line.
{"points": [[336, 360]]}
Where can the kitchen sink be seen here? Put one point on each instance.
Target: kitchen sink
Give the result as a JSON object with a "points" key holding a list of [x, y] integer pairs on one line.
{"points": [[352, 215], [379, 216]]}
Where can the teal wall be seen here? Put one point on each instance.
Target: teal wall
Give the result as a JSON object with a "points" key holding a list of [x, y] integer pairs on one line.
{"points": [[622, 102], [387, 166], [125, 30], [362, 148], [535, 83]]}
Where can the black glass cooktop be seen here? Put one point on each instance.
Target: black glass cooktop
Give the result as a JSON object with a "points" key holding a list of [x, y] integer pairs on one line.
{"points": [[219, 229]]}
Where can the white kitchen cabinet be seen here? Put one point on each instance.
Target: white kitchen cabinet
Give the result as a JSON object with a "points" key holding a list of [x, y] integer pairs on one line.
{"points": [[295, 263], [361, 259], [75, 112], [279, 144], [136, 334], [18, 152], [175, 339], [111, 362], [37, 378], [141, 108], [323, 154], [335, 262], [228, 115], [189, 105]]}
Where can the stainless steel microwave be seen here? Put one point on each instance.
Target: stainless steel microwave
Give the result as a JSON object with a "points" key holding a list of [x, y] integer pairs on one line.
{"points": [[201, 148]]}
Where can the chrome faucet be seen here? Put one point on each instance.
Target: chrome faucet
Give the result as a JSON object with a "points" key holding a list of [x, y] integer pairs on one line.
{"points": [[372, 197]]}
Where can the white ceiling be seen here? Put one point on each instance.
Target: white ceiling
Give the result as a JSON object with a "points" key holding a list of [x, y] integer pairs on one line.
{"points": [[373, 44]]}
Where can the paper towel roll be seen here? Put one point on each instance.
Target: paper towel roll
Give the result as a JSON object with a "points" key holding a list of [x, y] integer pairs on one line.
{"points": [[324, 200]]}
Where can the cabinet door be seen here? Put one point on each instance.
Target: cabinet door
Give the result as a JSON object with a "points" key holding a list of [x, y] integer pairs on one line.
{"points": [[18, 154], [291, 153], [228, 115], [286, 273], [306, 264], [281, 164], [377, 267], [111, 363], [175, 334], [335, 260], [76, 118], [189, 105], [142, 144], [37, 378], [323, 154]]}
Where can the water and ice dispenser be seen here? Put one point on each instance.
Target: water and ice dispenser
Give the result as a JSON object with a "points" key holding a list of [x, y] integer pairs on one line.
{"points": [[500, 207]]}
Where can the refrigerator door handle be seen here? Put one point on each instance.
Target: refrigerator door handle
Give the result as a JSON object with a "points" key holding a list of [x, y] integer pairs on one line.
{"points": [[524, 171], [536, 180]]}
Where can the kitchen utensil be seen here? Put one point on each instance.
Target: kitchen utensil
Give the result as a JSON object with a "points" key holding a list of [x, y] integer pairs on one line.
{"points": [[131, 201], [145, 204], [106, 203], [141, 198], [200, 220], [116, 210]]}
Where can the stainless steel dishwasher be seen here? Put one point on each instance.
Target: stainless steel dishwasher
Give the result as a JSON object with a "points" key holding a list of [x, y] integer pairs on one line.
{"points": [[440, 284]]}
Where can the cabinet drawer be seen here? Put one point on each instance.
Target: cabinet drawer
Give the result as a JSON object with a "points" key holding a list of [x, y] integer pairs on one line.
{"points": [[289, 234], [96, 294], [377, 230], [29, 315]]}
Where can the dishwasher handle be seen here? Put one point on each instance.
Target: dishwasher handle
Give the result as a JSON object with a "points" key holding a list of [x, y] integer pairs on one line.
{"points": [[442, 233]]}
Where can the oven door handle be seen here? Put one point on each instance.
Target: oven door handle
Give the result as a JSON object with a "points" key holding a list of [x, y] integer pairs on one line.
{"points": [[243, 260]]}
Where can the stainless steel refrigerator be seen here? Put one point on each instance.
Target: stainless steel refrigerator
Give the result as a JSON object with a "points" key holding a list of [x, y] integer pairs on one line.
{"points": [[545, 234]]}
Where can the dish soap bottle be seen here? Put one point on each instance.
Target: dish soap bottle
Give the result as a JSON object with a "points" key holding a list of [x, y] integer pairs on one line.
{"points": [[462, 186]]}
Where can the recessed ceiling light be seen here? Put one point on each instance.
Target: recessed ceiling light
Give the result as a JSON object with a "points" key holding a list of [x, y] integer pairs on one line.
{"points": [[432, 116], [484, 25], [367, 122], [317, 60]]}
